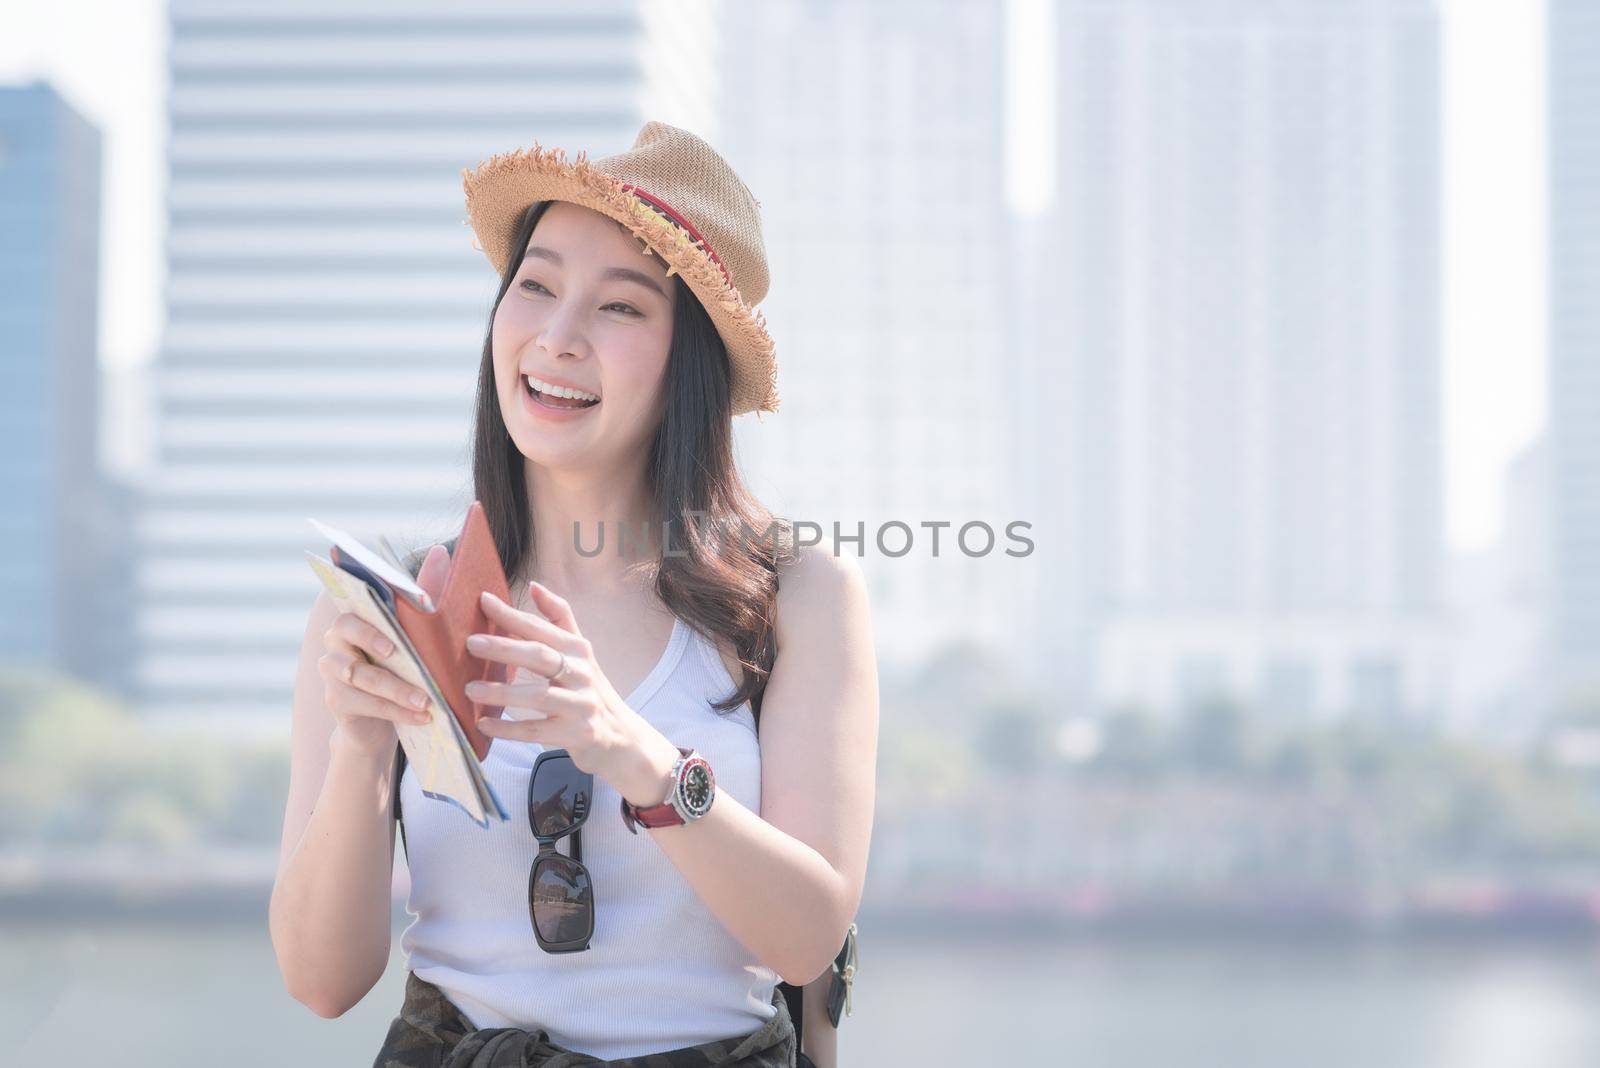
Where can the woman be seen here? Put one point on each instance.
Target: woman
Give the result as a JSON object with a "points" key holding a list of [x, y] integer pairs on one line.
{"points": [[631, 282]]}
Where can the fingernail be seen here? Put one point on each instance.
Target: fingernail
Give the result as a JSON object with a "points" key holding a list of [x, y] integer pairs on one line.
{"points": [[419, 701], [385, 647], [476, 642]]}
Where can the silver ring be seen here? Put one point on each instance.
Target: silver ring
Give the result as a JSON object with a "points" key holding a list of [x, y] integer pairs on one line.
{"points": [[563, 671]]}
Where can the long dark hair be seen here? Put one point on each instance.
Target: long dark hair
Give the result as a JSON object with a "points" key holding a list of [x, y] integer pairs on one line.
{"points": [[725, 587]]}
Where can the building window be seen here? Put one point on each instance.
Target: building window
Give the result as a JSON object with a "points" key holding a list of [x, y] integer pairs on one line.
{"points": [[1202, 677], [1375, 686], [1288, 688]]}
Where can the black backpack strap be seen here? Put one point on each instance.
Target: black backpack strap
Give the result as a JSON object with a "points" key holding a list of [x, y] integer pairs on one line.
{"points": [[399, 771]]}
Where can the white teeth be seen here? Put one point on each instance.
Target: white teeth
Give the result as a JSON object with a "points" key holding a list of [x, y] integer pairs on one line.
{"points": [[559, 391]]}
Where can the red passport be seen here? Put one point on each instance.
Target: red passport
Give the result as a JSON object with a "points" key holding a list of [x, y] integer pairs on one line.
{"points": [[440, 635], [430, 638]]}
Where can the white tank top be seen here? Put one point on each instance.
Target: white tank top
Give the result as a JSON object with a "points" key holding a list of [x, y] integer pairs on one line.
{"points": [[661, 971]]}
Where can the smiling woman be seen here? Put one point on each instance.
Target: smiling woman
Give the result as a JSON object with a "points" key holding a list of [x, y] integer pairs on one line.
{"points": [[717, 702], [595, 334]]}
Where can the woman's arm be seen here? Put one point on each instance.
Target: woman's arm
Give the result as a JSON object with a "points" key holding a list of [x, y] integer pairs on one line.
{"points": [[787, 883], [821, 1040], [330, 912]]}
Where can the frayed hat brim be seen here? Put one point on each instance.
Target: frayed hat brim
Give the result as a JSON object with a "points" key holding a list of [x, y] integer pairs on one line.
{"points": [[500, 189]]}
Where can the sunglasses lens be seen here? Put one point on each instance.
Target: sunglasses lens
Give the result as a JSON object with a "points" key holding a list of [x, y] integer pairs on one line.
{"points": [[561, 900], [558, 796], [835, 1002]]}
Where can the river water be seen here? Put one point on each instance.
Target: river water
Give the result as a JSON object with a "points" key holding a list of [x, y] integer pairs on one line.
{"points": [[207, 992]]}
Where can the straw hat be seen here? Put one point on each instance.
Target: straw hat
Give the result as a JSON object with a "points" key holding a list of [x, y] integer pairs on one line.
{"points": [[674, 192]]}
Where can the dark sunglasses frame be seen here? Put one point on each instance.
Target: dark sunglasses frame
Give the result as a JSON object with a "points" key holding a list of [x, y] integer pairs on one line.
{"points": [[548, 855], [844, 974]]}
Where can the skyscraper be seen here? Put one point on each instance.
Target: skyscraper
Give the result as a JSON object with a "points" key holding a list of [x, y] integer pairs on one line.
{"points": [[1249, 220], [62, 547], [1573, 27], [873, 136], [326, 307]]}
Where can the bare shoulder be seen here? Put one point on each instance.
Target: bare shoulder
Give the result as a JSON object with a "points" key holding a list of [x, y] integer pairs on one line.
{"points": [[818, 591], [824, 632]]}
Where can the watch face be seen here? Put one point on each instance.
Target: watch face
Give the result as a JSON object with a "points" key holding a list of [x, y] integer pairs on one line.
{"points": [[696, 787]]}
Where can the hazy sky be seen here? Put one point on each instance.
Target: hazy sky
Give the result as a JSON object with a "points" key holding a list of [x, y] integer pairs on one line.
{"points": [[106, 58]]}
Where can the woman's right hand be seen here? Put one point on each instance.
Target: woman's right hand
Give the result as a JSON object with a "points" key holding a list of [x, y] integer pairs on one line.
{"points": [[366, 699]]}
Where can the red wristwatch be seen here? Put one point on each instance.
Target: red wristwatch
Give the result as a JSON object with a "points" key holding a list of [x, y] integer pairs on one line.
{"points": [[693, 789]]}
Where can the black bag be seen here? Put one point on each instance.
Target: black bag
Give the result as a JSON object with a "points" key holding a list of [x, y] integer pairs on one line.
{"points": [[792, 994]]}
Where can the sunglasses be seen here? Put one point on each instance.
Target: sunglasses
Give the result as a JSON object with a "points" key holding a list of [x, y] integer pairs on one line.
{"points": [[560, 892], [844, 974]]}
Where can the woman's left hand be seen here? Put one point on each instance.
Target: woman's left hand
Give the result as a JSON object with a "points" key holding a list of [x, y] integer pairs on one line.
{"points": [[585, 715]]}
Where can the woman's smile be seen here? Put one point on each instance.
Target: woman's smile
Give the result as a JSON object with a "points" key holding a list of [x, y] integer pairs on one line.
{"points": [[548, 405]]}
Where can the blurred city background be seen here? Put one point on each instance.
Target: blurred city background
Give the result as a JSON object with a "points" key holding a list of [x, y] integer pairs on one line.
{"points": [[1277, 321]]}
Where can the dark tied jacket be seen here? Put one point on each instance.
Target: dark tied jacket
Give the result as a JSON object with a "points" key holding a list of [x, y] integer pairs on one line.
{"points": [[430, 1032]]}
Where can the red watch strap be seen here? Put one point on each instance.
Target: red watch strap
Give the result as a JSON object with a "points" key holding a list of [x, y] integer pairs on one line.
{"points": [[662, 815], [658, 816]]}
